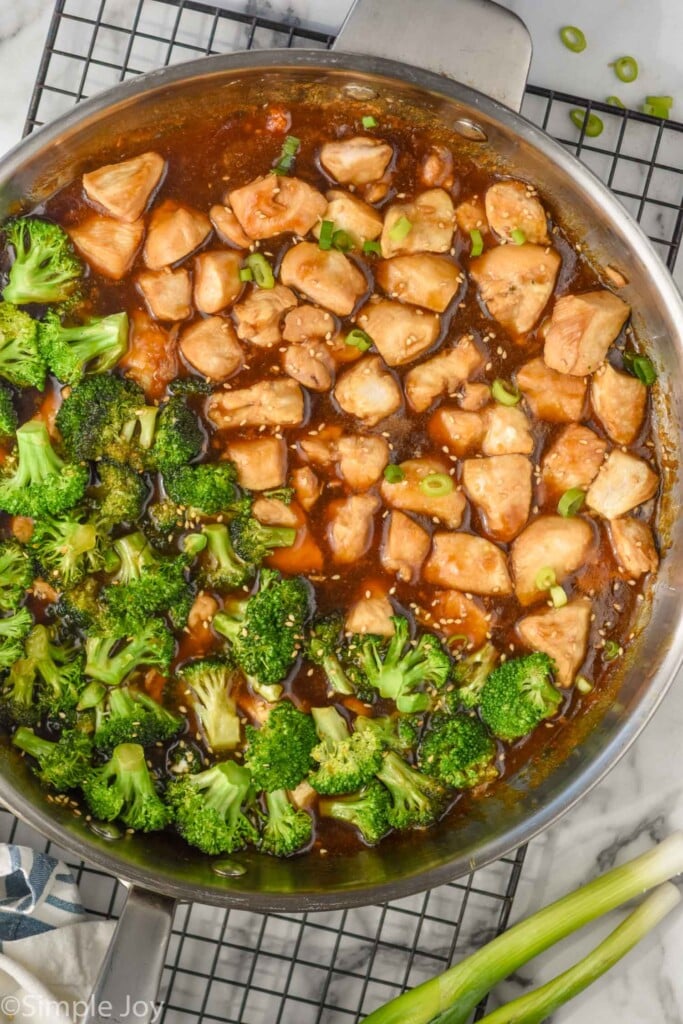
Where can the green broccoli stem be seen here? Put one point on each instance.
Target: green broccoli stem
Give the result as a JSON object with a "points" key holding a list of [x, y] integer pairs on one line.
{"points": [[219, 547], [135, 553], [455, 993], [230, 623], [145, 420], [91, 696], [27, 741], [336, 676], [38, 460], [330, 726], [278, 805], [271, 692], [537, 1006], [111, 669]]}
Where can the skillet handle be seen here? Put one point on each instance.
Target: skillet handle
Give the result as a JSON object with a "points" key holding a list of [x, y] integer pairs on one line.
{"points": [[477, 42], [127, 986]]}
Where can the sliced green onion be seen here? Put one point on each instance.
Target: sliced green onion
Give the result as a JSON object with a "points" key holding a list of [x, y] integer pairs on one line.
{"points": [[611, 650], [372, 247], [583, 685], [394, 474], [558, 597], [571, 502], [477, 246], [261, 270], [368, 121], [590, 123], [436, 485], [457, 638], [614, 101], [640, 367], [358, 339], [246, 274], [342, 241], [506, 394], [545, 578], [573, 38], [658, 106], [326, 233], [401, 228], [518, 236], [625, 68], [285, 162]]}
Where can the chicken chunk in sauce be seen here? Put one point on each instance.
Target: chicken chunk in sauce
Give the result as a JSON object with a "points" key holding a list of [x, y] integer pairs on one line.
{"points": [[167, 293], [581, 329], [573, 459], [109, 246], [400, 333], [422, 279], [368, 391], [550, 395], [550, 546], [405, 546], [327, 277], [356, 161], [500, 488], [261, 462], [516, 283], [633, 546], [562, 634], [411, 495], [351, 526], [619, 401], [175, 230], [259, 316], [350, 214], [275, 204], [623, 483], [124, 189], [513, 206], [217, 281], [270, 403], [468, 563], [211, 347], [423, 225], [443, 373]]}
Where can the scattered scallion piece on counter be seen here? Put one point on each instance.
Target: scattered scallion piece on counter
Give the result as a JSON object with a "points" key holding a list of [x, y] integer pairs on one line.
{"points": [[558, 596], [518, 236], [583, 685], [573, 38], [640, 367], [326, 233], [394, 474], [545, 578], [436, 485], [358, 339], [614, 101], [368, 121], [373, 247], [285, 162], [571, 502], [452, 996], [625, 68], [590, 123], [401, 229], [658, 106], [504, 393], [477, 242], [611, 650], [246, 274], [342, 241], [261, 270]]}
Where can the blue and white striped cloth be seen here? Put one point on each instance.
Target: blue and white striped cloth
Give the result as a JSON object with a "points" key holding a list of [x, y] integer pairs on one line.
{"points": [[37, 894]]}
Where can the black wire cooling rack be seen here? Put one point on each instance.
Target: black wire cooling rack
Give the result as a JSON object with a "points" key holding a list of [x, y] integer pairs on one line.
{"points": [[335, 967]]}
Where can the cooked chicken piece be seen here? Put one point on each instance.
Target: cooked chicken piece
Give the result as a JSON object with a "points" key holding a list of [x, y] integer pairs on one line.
{"points": [[436, 168], [508, 431], [512, 205], [470, 215], [351, 526], [406, 494], [357, 161], [216, 280], [273, 512], [307, 487], [500, 487], [573, 460], [442, 374], [109, 246], [431, 221], [472, 564], [474, 396], [552, 396], [369, 391], [619, 401], [423, 279], [174, 231], [623, 482], [404, 547], [303, 796], [304, 555], [167, 293], [227, 227], [320, 446], [152, 358], [259, 315], [270, 403], [261, 462], [311, 364], [124, 189], [362, 459], [277, 203], [581, 329], [400, 333], [211, 347], [327, 277], [633, 546], [458, 430], [307, 323], [550, 542], [203, 609], [371, 615], [516, 282], [452, 614], [562, 634], [341, 352], [349, 213]]}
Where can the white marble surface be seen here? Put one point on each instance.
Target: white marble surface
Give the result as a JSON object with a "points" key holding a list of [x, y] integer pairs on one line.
{"points": [[642, 799]]}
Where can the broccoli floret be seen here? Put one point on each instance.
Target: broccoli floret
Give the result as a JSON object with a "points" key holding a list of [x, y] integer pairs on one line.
{"points": [[184, 758], [67, 548], [221, 568], [211, 681], [323, 642], [132, 716], [266, 630], [347, 761], [62, 765], [178, 438], [279, 753], [190, 386], [396, 670], [164, 518], [416, 800], [253, 541], [20, 360], [286, 829], [123, 788], [13, 631], [397, 732], [209, 489], [16, 575], [99, 420], [208, 808], [45, 267], [18, 702], [8, 414], [39, 482], [81, 607], [518, 695], [59, 667], [469, 676], [368, 811], [283, 494], [122, 493], [458, 752], [72, 350], [151, 645], [146, 583]]}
